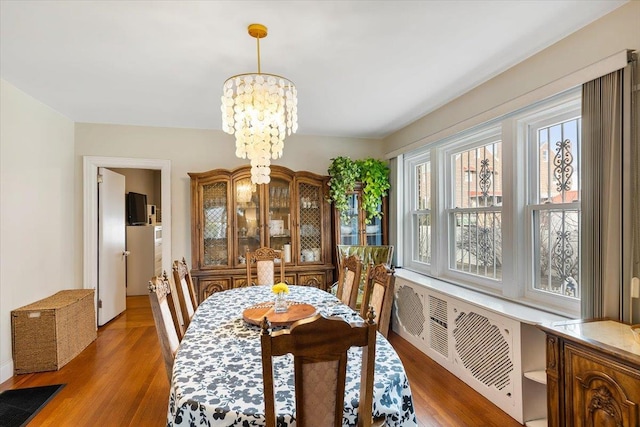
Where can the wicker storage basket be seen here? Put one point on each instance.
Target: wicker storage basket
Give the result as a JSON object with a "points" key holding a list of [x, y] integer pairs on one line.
{"points": [[47, 334]]}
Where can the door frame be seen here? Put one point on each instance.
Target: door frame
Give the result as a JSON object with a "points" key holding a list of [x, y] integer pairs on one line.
{"points": [[90, 166]]}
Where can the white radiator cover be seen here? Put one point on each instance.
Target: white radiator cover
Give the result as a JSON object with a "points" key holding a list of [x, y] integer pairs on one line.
{"points": [[480, 347]]}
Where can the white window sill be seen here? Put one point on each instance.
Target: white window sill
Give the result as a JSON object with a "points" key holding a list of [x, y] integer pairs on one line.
{"points": [[513, 310]]}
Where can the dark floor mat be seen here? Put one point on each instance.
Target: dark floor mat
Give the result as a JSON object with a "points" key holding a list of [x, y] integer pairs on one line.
{"points": [[18, 406]]}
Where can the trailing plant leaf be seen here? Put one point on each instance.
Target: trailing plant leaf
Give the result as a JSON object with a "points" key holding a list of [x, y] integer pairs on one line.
{"points": [[374, 176], [344, 174], [371, 173]]}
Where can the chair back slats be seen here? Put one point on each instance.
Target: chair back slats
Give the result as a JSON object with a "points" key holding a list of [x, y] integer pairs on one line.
{"points": [[173, 302], [319, 347], [378, 293], [264, 260], [368, 255], [349, 274], [164, 317], [185, 290], [189, 281]]}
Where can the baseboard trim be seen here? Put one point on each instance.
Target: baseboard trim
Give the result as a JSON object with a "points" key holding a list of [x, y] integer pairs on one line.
{"points": [[6, 371]]}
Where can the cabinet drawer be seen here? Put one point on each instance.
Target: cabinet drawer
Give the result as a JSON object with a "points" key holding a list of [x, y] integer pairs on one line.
{"points": [[240, 282], [317, 280], [209, 286]]}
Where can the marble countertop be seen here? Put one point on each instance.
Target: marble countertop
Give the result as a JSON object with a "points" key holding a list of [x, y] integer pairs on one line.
{"points": [[611, 336]]}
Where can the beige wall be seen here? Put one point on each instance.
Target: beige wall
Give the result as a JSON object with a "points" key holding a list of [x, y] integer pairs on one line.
{"points": [[191, 150], [37, 222], [612, 33]]}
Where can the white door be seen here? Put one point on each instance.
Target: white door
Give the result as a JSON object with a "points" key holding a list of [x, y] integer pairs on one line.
{"points": [[112, 292]]}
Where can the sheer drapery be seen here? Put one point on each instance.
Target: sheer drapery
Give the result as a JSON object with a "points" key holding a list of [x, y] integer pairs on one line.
{"points": [[610, 246], [634, 186], [601, 196]]}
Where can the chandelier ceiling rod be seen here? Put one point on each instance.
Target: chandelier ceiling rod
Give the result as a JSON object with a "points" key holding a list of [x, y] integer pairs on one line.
{"points": [[258, 31]]}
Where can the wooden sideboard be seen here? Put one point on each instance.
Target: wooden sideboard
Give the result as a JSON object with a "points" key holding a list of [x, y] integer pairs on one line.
{"points": [[593, 374]]}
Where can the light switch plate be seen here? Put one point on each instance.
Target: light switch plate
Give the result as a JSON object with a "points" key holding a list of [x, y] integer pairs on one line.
{"points": [[635, 287]]}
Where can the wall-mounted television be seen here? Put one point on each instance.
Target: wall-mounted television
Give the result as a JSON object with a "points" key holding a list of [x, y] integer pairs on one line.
{"points": [[136, 208]]}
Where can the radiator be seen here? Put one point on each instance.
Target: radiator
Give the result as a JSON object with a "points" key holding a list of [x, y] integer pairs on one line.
{"points": [[480, 347]]}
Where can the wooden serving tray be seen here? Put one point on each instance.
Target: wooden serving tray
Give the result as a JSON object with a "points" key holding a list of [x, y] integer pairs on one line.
{"points": [[295, 312]]}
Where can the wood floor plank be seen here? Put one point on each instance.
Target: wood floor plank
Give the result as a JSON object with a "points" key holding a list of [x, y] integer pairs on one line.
{"points": [[440, 398], [120, 380]]}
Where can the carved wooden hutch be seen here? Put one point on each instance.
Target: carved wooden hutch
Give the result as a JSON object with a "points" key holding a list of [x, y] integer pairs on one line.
{"points": [[230, 216], [593, 374]]}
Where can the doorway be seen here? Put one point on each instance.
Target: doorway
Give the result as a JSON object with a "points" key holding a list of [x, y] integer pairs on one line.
{"points": [[90, 210]]}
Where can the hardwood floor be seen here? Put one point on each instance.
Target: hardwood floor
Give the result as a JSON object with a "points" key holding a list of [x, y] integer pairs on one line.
{"points": [[120, 380], [440, 398]]}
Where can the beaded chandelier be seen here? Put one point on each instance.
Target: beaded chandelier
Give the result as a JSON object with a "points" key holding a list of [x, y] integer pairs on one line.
{"points": [[260, 110]]}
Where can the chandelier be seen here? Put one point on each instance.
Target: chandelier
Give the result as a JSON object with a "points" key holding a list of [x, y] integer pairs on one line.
{"points": [[260, 110]]}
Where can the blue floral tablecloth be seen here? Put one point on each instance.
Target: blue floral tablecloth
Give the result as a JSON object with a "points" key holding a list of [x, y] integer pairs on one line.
{"points": [[217, 373]]}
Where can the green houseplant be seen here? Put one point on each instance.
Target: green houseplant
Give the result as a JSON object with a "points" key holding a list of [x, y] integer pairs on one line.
{"points": [[374, 176], [344, 173]]}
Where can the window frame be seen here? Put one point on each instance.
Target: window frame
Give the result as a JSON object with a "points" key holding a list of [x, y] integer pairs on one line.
{"points": [[411, 211], [459, 145], [512, 130], [562, 109]]}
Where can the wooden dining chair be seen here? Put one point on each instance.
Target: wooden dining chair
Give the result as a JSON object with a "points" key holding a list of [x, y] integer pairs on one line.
{"points": [[265, 263], [369, 254], [173, 299], [186, 293], [349, 274], [165, 319], [378, 293], [319, 347]]}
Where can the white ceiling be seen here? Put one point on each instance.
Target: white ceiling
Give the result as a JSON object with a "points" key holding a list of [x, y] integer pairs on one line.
{"points": [[362, 68]]}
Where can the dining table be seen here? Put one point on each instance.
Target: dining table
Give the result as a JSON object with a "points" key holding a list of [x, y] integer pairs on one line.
{"points": [[217, 371]]}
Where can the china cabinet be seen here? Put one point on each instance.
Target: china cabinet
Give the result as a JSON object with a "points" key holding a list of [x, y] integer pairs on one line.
{"points": [[230, 217], [353, 230], [593, 374]]}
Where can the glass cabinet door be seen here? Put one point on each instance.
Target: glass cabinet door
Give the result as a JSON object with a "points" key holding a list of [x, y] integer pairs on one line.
{"points": [[350, 227], [373, 230], [353, 231], [279, 215], [248, 224], [215, 225], [310, 217]]}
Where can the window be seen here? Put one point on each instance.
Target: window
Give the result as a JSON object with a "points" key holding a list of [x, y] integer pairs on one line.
{"points": [[420, 211], [553, 209], [475, 233], [458, 228]]}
